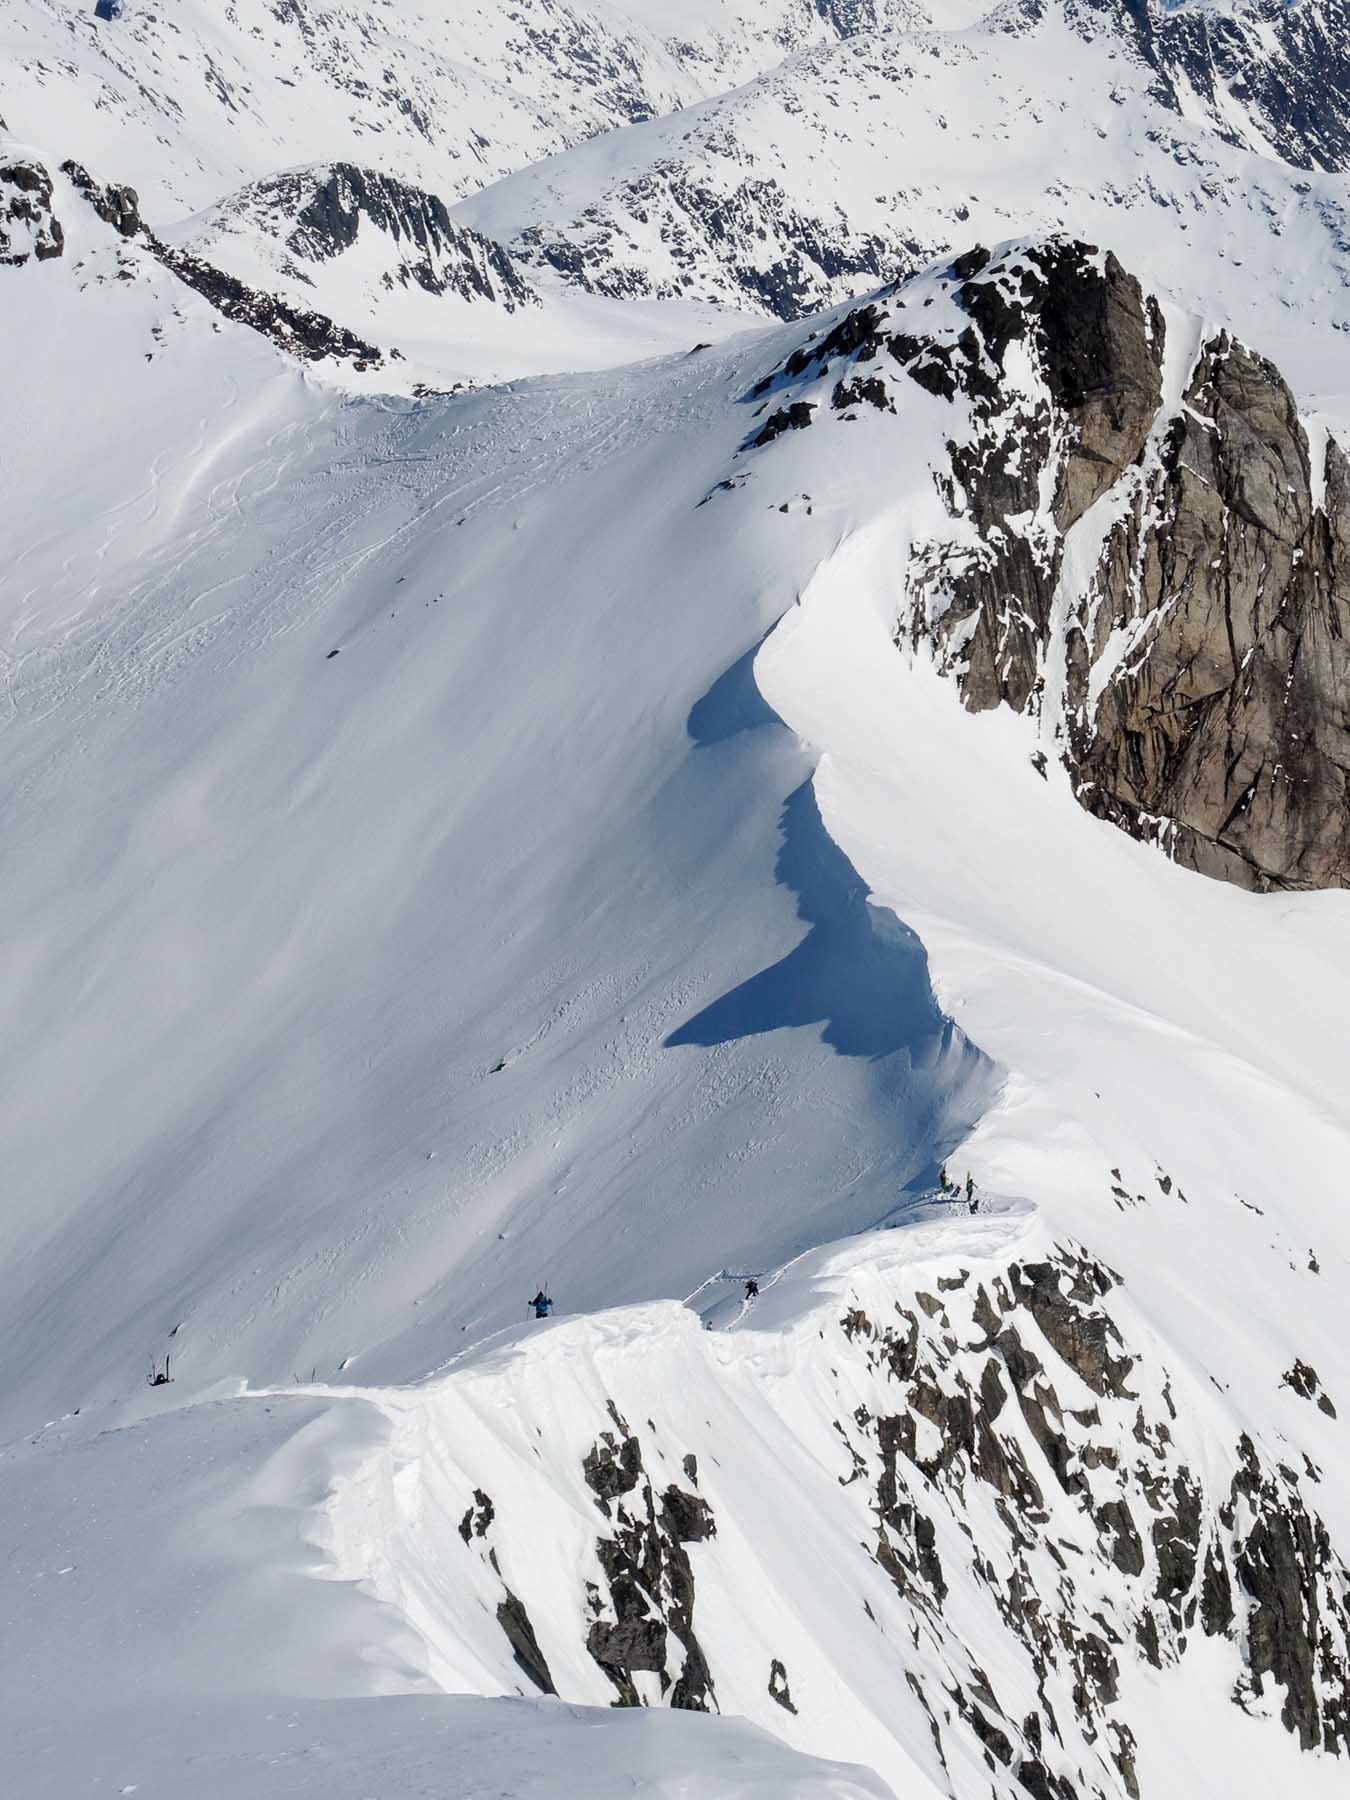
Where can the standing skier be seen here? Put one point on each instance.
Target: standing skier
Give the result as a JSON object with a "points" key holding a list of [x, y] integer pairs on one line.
{"points": [[542, 1305]]}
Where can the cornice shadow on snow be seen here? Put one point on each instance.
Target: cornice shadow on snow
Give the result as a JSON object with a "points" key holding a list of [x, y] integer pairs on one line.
{"points": [[858, 971], [732, 704]]}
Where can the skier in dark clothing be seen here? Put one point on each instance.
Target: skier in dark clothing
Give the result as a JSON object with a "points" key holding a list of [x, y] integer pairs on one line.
{"points": [[542, 1305], [751, 1289]]}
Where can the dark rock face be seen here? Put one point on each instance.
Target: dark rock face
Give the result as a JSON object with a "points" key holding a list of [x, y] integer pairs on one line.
{"points": [[116, 206], [515, 1622], [312, 336], [437, 255], [28, 226], [1305, 1382], [1186, 1551], [787, 418], [778, 1686], [1006, 1447], [1296, 1636], [1289, 67], [649, 1577], [596, 253], [475, 1527], [478, 1518], [1235, 724], [1197, 687]]}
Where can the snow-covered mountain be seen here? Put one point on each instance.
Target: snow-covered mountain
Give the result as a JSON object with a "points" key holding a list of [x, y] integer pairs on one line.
{"points": [[1208, 149], [849, 798], [189, 102]]}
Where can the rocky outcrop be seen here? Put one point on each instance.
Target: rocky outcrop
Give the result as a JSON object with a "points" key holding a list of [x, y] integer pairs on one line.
{"points": [[1287, 67], [1030, 1371], [1231, 720], [646, 1621], [1197, 684], [29, 229], [322, 211], [117, 206], [311, 336], [740, 208], [1038, 1509], [772, 253]]}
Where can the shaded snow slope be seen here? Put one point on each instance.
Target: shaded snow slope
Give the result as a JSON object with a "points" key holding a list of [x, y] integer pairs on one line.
{"points": [[512, 942], [398, 993], [459, 842]]}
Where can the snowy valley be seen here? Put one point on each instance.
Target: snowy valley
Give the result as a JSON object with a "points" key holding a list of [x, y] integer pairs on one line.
{"points": [[648, 647]]}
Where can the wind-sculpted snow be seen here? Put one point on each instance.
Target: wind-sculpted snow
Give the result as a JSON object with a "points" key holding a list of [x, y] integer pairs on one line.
{"points": [[938, 1498], [238, 1670], [334, 588], [942, 1501]]}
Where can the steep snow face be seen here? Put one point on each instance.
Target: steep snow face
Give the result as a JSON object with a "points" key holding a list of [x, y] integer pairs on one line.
{"points": [[865, 159], [623, 832], [534, 983], [235, 1667], [380, 255], [941, 1499], [944, 1499], [319, 215], [188, 102], [364, 894], [536, 836]]}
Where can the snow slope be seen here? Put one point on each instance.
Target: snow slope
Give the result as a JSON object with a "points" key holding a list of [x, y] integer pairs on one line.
{"points": [[617, 907], [478, 930], [233, 1669]]}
